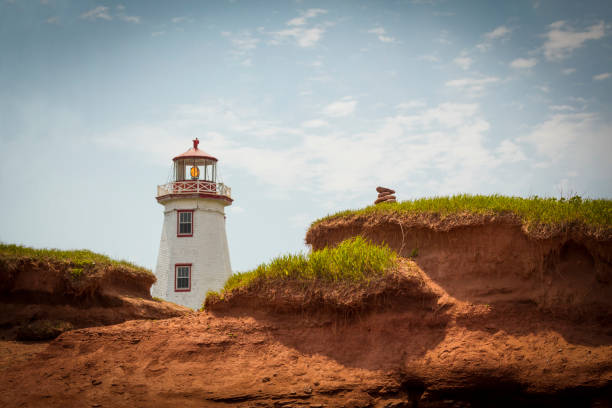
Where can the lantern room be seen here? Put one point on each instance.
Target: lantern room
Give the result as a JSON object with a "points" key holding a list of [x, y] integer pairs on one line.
{"points": [[195, 164], [194, 173]]}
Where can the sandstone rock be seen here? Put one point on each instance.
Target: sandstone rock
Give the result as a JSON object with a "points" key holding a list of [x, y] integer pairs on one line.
{"points": [[389, 198], [385, 194], [384, 189]]}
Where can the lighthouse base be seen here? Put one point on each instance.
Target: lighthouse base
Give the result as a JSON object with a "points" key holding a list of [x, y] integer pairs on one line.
{"points": [[190, 265]]}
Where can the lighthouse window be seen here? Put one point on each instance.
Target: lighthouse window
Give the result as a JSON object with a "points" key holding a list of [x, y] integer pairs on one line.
{"points": [[185, 223], [182, 281]]}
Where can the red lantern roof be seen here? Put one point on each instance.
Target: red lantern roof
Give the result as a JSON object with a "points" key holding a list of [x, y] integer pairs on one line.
{"points": [[195, 153]]}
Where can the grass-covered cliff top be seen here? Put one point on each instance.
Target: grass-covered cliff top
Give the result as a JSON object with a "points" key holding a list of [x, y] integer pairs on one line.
{"points": [[353, 260], [593, 213], [78, 257]]}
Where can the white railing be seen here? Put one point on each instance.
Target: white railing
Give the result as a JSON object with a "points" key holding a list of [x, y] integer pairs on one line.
{"points": [[194, 186]]}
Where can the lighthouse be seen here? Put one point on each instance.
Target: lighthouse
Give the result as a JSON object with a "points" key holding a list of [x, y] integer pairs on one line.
{"points": [[193, 253]]}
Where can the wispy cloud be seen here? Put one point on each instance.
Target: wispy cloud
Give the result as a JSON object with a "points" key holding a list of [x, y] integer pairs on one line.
{"points": [[301, 20], [103, 13], [243, 46], [448, 141], [343, 107], [181, 19], [314, 123], [443, 38], [473, 86], [443, 13], [409, 105], [579, 135], [428, 58], [562, 40], [603, 76], [129, 19], [543, 88], [510, 152], [523, 63], [100, 12], [242, 42], [463, 61], [499, 33], [561, 108], [304, 35], [382, 36], [568, 71]]}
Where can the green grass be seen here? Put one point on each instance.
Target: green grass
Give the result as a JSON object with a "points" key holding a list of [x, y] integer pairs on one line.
{"points": [[76, 273], [78, 258], [595, 213], [354, 260]]}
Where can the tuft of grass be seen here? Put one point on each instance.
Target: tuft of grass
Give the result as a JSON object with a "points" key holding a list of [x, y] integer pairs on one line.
{"points": [[76, 272], [596, 213], [353, 260], [79, 258]]}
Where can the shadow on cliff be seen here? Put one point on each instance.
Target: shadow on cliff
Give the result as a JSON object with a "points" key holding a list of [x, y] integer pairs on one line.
{"points": [[370, 331]]}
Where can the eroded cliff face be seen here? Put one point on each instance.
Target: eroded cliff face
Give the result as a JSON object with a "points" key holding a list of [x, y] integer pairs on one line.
{"points": [[493, 260], [416, 345], [485, 315], [40, 298]]}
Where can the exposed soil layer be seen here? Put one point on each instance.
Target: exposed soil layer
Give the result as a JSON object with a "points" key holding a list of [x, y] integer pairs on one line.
{"points": [[343, 299], [41, 298], [427, 349], [494, 260], [482, 315]]}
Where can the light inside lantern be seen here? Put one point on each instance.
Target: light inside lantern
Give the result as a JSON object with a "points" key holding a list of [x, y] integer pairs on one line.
{"points": [[195, 172]]}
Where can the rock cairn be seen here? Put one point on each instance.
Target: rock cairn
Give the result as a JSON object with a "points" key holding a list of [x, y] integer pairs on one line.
{"points": [[385, 195]]}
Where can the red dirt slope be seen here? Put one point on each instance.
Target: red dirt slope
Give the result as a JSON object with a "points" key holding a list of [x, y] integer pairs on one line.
{"points": [[426, 347]]}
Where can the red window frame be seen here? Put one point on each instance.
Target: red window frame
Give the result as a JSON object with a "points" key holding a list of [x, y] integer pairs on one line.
{"points": [[178, 224], [176, 266]]}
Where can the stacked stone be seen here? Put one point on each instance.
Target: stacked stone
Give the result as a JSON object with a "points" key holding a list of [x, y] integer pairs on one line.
{"points": [[385, 195]]}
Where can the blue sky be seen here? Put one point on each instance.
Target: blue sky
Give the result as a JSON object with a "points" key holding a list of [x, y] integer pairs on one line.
{"points": [[309, 105]]}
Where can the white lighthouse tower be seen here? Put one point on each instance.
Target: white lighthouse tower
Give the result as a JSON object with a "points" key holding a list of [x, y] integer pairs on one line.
{"points": [[193, 253]]}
